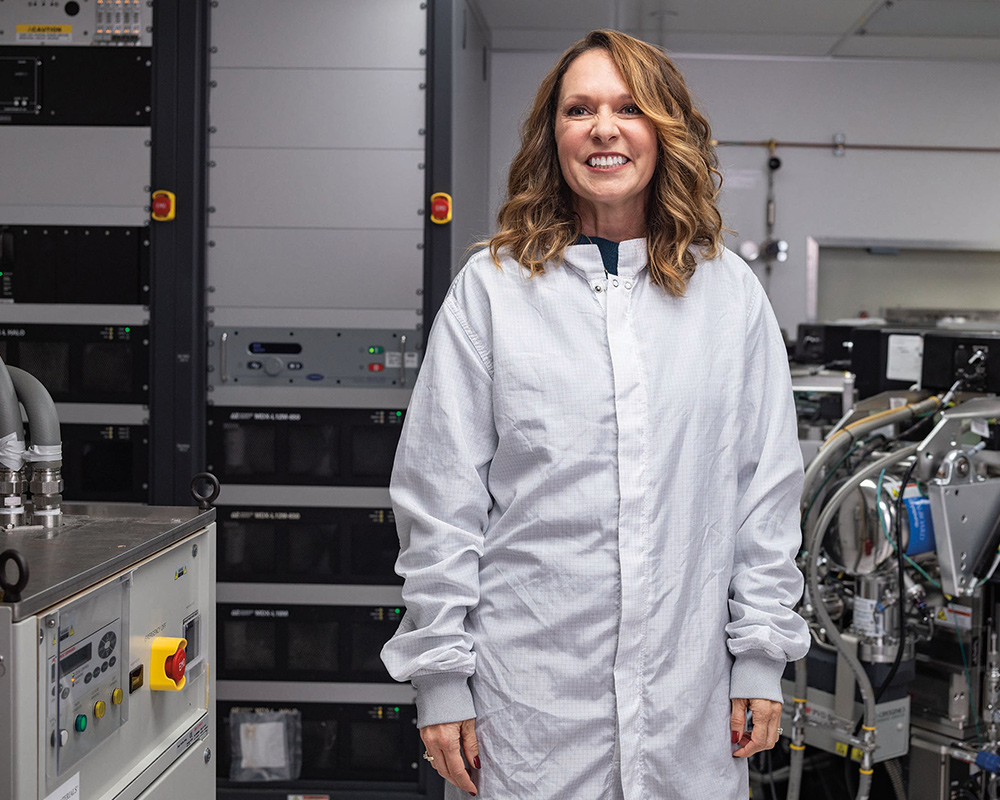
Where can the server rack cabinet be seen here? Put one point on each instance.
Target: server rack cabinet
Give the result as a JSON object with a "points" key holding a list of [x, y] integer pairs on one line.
{"points": [[100, 104], [322, 269], [76, 110]]}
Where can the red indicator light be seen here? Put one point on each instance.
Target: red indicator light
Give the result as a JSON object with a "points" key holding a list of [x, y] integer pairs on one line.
{"points": [[376, 367]]}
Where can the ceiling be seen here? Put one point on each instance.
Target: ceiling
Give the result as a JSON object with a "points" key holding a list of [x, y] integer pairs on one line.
{"points": [[908, 29]]}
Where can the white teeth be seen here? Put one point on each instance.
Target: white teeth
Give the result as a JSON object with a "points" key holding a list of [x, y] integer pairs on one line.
{"points": [[606, 161]]}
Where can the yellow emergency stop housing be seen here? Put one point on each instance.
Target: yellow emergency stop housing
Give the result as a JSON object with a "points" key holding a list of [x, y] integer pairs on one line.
{"points": [[165, 648], [441, 208], [163, 206]]}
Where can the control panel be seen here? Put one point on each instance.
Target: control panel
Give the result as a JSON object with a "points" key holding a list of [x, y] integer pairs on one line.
{"points": [[313, 357], [112, 23], [87, 658]]}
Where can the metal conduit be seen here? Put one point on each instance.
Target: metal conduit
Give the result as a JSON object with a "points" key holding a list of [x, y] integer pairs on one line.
{"points": [[914, 148]]}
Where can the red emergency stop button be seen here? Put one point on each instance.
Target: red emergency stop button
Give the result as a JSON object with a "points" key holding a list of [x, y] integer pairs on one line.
{"points": [[163, 205], [167, 664], [440, 208], [175, 665]]}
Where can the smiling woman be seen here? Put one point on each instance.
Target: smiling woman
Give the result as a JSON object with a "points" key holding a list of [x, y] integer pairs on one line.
{"points": [[596, 489], [546, 208], [607, 149]]}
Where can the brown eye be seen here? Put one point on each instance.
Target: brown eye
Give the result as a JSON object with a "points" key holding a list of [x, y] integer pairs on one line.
{"points": [[632, 110]]}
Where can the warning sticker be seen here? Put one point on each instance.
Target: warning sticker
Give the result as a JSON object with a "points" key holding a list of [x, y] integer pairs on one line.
{"points": [[954, 616], [45, 33]]}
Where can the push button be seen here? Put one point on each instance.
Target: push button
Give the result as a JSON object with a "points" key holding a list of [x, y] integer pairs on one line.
{"points": [[100, 709], [167, 664], [254, 365], [117, 696], [81, 723]]}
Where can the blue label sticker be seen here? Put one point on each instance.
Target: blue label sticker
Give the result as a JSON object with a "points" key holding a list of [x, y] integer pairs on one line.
{"points": [[314, 376], [918, 509]]}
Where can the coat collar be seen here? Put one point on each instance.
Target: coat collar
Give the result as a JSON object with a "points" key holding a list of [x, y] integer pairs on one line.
{"points": [[586, 259]]}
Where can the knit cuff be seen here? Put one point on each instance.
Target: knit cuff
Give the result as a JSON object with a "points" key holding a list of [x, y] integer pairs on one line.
{"points": [[443, 697], [756, 675]]}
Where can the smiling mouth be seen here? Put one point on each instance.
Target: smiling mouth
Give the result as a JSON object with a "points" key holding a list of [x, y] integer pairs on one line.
{"points": [[606, 162]]}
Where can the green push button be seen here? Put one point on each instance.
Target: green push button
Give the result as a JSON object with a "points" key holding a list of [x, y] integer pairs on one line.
{"points": [[81, 723]]}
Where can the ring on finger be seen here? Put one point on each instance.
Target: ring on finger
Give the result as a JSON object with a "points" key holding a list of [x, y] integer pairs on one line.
{"points": [[779, 731], [428, 756]]}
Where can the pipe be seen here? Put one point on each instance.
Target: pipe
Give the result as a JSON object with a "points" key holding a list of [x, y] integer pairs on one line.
{"points": [[798, 735], [42, 417], [45, 452], [865, 784], [813, 549], [842, 440], [11, 454], [908, 148], [11, 425], [895, 770]]}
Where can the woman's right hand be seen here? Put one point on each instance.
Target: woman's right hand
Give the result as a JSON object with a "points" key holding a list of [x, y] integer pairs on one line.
{"points": [[445, 744]]}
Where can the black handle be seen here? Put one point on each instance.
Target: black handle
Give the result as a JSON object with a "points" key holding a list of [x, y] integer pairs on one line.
{"points": [[12, 591], [205, 500]]}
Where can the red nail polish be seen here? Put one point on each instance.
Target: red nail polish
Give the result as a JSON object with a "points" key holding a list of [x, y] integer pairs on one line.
{"points": [[736, 737], [476, 763]]}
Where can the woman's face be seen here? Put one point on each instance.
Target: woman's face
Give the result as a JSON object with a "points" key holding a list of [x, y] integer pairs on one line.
{"points": [[607, 148]]}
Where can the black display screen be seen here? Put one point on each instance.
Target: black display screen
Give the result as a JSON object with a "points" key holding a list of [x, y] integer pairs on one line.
{"points": [[276, 348], [73, 660]]}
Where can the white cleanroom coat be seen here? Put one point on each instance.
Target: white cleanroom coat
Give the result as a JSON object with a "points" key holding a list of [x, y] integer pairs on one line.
{"points": [[597, 492]]}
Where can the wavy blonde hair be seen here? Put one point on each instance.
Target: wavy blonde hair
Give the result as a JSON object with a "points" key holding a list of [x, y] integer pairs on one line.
{"points": [[537, 221]]}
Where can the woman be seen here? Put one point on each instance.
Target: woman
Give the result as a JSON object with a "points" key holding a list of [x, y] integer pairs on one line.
{"points": [[597, 485]]}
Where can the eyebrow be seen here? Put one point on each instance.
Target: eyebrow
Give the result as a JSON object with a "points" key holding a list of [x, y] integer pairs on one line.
{"points": [[622, 98]]}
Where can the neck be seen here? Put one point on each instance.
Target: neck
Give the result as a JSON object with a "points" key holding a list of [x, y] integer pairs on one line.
{"points": [[614, 223]]}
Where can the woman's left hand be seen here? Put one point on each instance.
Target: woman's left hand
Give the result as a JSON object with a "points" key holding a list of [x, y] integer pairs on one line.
{"points": [[764, 733]]}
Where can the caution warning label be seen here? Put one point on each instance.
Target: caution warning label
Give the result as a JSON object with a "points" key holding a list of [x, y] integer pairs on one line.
{"points": [[45, 33]]}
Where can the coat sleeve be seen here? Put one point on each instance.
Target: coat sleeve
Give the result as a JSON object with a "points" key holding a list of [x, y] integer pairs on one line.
{"points": [[441, 503], [764, 630]]}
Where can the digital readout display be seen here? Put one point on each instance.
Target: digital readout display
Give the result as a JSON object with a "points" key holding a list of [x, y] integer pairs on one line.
{"points": [[73, 660], [275, 348]]}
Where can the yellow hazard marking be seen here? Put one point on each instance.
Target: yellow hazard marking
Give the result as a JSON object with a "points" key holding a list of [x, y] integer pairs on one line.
{"points": [[841, 748], [942, 615], [856, 754], [44, 28]]}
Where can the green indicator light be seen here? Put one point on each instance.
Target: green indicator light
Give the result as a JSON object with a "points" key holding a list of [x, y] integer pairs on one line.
{"points": [[81, 723], [399, 413], [128, 330], [397, 610], [374, 351], [1, 274], [396, 709]]}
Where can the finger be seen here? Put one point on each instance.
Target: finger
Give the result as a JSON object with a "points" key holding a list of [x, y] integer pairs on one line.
{"points": [[764, 732], [443, 747], [767, 713], [470, 744], [455, 771], [738, 718]]}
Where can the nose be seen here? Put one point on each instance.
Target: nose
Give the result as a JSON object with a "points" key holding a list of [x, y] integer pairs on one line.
{"points": [[605, 126]]}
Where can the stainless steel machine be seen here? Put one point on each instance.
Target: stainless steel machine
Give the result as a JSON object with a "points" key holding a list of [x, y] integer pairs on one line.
{"points": [[106, 648], [901, 548], [107, 632]]}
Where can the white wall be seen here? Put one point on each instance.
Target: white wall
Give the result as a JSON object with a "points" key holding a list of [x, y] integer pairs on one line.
{"points": [[928, 199]]}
